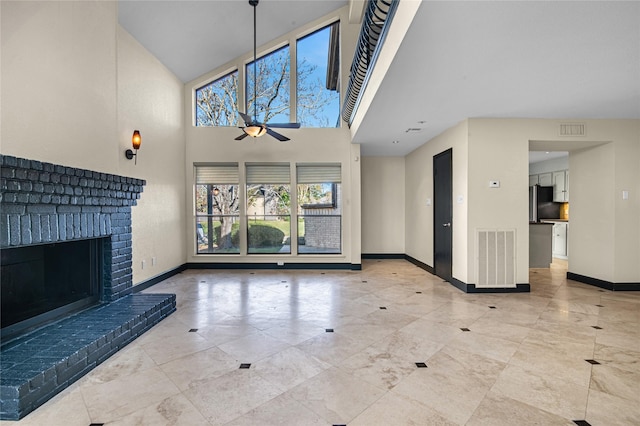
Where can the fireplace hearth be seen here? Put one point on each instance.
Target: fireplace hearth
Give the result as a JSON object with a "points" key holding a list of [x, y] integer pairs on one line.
{"points": [[61, 318]]}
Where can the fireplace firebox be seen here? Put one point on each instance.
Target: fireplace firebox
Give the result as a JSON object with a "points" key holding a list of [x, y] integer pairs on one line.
{"points": [[45, 282]]}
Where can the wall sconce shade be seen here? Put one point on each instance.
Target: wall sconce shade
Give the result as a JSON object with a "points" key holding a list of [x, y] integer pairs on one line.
{"points": [[136, 141]]}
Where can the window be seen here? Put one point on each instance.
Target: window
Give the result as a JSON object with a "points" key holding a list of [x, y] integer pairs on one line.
{"points": [[217, 102], [217, 209], [319, 208], [268, 208], [318, 73], [272, 87]]}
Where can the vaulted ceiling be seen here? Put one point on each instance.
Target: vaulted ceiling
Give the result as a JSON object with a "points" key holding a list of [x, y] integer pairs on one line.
{"points": [[528, 59]]}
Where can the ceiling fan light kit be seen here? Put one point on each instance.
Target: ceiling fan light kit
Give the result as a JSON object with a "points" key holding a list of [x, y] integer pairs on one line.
{"points": [[252, 127]]}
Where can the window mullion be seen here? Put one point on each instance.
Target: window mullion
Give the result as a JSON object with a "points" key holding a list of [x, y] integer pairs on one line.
{"points": [[293, 80]]}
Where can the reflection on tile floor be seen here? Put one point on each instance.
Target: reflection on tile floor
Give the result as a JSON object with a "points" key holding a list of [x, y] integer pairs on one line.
{"points": [[315, 348]]}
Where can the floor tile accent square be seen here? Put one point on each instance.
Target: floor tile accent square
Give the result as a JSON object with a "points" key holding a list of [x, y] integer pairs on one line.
{"points": [[244, 366], [383, 307], [582, 423], [193, 330], [600, 306], [364, 281], [421, 365], [492, 307], [465, 329], [96, 424], [418, 292], [329, 330], [592, 361], [596, 327]]}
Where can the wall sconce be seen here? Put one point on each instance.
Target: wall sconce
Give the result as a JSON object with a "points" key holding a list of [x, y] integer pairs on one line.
{"points": [[136, 140]]}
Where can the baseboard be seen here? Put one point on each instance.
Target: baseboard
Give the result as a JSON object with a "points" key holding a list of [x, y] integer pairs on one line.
{"points": [[383, 256], [608, 285], [285, 266], [155, 280], [471, 288], [419, 264]]}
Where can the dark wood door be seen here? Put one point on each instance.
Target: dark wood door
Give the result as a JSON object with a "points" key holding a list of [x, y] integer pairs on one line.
{"points": [[443, 214]]}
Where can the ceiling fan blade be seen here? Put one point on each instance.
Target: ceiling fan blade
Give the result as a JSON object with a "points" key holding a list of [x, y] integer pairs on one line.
{"points": [[277, 135], [245, 117], [242, 136], [284, 125]]}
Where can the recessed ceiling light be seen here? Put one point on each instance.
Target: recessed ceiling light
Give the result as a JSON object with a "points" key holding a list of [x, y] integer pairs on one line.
{"points": [[546, 152], [395, 142]]}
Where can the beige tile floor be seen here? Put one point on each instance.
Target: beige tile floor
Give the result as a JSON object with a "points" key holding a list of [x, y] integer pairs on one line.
{"points": [[522, 362]]}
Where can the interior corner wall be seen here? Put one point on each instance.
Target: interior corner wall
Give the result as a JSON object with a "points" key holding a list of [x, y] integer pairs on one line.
{"points": [[383, 205], [419, 189], [150, 99]]}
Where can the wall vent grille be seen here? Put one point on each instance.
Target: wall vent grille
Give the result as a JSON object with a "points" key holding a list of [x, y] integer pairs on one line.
{"points": [[573, 129], [496, 260]]}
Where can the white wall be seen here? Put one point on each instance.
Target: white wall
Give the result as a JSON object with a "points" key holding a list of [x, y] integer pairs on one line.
{"points": [[419, 188], [383, 206], [74, 86]]}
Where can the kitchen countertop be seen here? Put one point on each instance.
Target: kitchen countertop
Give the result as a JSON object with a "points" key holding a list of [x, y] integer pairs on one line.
{"points": [[555, 220], [540, 223]]}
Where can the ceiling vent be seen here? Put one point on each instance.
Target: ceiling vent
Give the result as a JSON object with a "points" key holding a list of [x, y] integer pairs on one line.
{"points": [[413, 130], [573, 129]]}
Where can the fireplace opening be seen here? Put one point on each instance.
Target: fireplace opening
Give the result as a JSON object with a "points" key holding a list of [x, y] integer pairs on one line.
{"points": [[42, 283]]}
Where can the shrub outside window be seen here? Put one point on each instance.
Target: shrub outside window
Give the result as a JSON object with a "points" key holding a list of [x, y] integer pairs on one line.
{"points": [[268, 209]]}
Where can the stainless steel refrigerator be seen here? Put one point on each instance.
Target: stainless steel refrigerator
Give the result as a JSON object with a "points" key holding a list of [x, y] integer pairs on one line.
{"points": [[541, 204]]}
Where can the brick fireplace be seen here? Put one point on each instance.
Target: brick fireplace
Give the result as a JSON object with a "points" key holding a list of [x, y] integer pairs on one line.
{"points": [[49, 205]]}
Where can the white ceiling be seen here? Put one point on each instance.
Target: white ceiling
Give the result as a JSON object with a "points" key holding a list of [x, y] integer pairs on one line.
{"points": [[192, 38], [526, 59]]}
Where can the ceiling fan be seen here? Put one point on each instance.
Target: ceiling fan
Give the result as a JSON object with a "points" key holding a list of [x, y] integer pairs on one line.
{"points": [[252, 127]]}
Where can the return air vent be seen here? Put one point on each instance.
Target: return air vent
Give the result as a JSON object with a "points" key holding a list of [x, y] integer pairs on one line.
{"points": [[496, 261], [573, 129]]}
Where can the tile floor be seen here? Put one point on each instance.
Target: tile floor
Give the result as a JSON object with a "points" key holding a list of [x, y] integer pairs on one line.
{"points": [[341, 347]]}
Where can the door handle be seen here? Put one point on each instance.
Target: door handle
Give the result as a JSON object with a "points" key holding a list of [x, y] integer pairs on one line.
{"points": [[447, 225]]}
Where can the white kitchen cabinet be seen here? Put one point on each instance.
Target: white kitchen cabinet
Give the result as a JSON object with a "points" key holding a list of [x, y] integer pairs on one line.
{"points": [[545, 179], [559, 242], [561, 186]]}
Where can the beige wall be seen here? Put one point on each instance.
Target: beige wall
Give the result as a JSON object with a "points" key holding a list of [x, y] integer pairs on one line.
{"points": [[419, 189], [74, 86], [150, 99], [383, 195], [213, 144], [604, 231], [59, 82]]}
